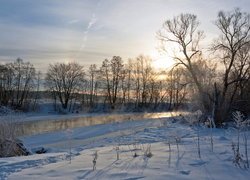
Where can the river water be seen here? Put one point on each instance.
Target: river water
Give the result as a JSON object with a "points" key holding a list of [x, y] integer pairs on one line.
{"points": [[32, 127]]}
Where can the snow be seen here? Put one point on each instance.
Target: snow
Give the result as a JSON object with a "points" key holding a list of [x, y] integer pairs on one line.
{"points": [[131, 136]]}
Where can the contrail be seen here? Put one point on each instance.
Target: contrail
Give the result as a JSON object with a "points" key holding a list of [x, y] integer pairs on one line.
{"points": [[92, 21], [85, 36]]}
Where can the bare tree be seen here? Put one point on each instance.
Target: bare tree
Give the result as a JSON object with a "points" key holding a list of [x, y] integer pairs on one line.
{"points": [[38, 84], [233, 46], [146, 72], [183, 31], [6, 84], [177, 87], [64, 80], [17, 81], [93, 74], [124, 84], [128, 79], [112, 73], [24, 74], [142, 76]]}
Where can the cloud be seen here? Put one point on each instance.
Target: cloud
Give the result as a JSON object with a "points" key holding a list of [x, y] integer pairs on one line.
{"points": [[92, 21], [73, 21], [86, 32]]}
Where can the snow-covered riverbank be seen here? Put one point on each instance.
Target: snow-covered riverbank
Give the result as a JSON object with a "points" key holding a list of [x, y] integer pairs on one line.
{"points": [[130, 137]]}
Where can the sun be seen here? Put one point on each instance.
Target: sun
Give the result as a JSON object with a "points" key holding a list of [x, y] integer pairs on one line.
{"points": [[161, 61], [67, 61]]}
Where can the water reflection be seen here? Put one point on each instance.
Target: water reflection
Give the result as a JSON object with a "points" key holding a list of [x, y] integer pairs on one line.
{"points": [[50, 125]]}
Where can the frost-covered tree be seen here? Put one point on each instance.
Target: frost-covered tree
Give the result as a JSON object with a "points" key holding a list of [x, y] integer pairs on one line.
{"points": [[182, 32]]}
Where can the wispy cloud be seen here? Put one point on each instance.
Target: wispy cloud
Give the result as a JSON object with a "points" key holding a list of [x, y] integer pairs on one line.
{"points": [[73, 21], [89, 31], [92, 21]]}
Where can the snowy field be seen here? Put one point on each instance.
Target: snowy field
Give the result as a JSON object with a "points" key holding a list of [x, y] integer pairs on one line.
{"points": [[171, 142]]}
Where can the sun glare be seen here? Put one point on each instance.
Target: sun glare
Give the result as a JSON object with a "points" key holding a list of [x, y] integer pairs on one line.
{"points": [[161, 61], [67, 61]]}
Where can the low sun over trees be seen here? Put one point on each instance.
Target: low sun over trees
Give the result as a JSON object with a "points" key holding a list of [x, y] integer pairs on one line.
{"points": [[212, 77], [135, 85], [218, 91], [183, 32]]}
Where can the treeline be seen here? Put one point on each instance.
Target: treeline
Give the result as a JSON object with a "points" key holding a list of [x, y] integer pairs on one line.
{"points": [[115, 85], [217, 87], [17, 82]]}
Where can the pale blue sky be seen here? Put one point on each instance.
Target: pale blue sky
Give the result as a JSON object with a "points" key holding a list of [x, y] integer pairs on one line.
{"points": [[88, 31]]}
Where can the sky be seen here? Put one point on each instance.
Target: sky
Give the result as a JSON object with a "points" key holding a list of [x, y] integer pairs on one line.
{"points": [[88, 31]]}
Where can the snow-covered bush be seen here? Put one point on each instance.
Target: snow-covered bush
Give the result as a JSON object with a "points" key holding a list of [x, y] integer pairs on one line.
{"points": [[194, 119], [242, 126], [169, 153], [147, 151], [177, 140], [69, 133], [211, 126], [134, 149], [117, 149], [95, 156]]}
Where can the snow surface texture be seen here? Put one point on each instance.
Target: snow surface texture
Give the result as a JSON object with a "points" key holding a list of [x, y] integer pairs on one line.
{"points": [[178, 162]]}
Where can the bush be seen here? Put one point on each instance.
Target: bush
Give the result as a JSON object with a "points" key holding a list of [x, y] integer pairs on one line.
{"points": [[9, 144]]}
